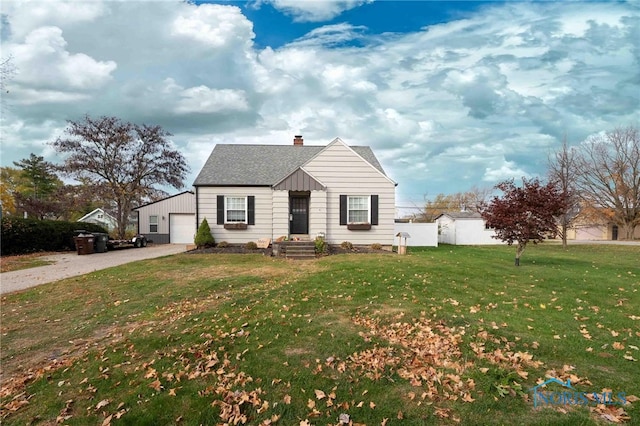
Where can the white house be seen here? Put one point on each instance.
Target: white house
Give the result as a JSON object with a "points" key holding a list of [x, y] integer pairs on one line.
{"points": [[464, 228], [100, 217], [341, 192]]}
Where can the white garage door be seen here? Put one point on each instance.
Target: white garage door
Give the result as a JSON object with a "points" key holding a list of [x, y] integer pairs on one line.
{"points": [[182, 228]]}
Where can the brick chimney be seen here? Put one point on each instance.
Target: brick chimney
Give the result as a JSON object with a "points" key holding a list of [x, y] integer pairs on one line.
{"points": [[298, 141]]}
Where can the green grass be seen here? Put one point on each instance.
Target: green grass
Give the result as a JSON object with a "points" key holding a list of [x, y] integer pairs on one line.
{"points": [[190, 338]]}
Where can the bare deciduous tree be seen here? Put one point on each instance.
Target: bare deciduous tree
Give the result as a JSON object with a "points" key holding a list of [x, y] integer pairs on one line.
{"points": [[608, 176], [563, 172], [470, 200], [7, 71], [126, 160]]}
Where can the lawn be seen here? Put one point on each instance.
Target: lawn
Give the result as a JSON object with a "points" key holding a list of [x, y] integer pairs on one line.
{"points": [[22, 261], [442, 335]]}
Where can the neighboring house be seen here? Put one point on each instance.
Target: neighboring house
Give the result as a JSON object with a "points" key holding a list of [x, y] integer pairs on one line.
{"points": [[594, 224], [248, 192], [464, 228], [100, 217], [589, 231], [170, 220]]}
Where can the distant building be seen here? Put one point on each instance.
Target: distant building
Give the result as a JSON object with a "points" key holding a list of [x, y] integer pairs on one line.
{"points": [[464, 228], [100, 217]]}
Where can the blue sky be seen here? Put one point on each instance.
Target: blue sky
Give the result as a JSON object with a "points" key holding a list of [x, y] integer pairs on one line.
{"points": [[274, 28], [449, 95]]}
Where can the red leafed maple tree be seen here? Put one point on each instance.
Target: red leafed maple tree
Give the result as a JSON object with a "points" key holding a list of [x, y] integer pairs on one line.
{"points": [[524, 214]]}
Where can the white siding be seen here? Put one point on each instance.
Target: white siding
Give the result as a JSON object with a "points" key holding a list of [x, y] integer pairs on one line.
{"points": [[317, 213], [263, 227], [473, 232], [344, 172], [183, 203], [280, 214]]}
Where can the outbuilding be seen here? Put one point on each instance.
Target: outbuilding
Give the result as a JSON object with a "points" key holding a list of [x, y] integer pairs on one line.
{"points": [[170, 220]]}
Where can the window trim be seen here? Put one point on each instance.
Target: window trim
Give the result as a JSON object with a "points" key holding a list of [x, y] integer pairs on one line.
{"points": [[151, 223], [373, 213], [368, 221], [245, 220]]}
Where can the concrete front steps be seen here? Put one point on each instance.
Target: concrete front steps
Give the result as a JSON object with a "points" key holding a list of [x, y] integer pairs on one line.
{"points": [[298, 247], [300, 250]]}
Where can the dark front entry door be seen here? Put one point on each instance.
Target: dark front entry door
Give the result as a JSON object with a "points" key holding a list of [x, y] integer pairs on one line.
{"points": [[614, 232], [299, 215]]}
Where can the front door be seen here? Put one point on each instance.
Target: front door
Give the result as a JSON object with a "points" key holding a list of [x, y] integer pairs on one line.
{"points": [[298, 215]]}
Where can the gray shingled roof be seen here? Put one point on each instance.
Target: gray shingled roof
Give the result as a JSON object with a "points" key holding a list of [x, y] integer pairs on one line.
{"points": [[261, 165]]}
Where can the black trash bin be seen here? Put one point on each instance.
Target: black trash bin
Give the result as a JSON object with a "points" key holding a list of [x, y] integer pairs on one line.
{"points": [[100, 242], [84, 243]]}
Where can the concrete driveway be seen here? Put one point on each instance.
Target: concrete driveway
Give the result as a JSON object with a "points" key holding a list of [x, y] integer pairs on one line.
{"points": [[70, 264]]}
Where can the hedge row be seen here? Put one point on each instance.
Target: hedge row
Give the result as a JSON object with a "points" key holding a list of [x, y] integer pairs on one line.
{"points": [[21, 236]]}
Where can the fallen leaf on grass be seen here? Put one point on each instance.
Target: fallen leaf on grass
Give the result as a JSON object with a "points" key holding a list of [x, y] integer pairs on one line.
{"points": [[467, 398], [102, 403], [156, 385], [320, 394]]}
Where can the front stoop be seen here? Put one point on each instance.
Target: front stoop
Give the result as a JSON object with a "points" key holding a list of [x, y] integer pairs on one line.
{"points": [[298, 250]]}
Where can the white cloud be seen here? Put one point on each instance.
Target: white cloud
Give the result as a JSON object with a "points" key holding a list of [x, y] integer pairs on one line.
{"points": [[28, 96], [202, 100], [507, 170], [460, 103], [27, 16], [315, 10], [42, 61], [330, 35], [214, 25]]}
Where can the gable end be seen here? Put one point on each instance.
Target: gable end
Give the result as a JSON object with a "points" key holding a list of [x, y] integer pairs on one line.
{"points": [[299, 180]]}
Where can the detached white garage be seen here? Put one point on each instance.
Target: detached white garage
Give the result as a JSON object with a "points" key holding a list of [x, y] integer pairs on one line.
{"points": [[170, 220], [182, 228]]}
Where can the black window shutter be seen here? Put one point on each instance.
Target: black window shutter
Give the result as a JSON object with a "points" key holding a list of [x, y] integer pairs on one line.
{"points": [[220, 207], [374, 209], [251, 210], [343, 210]]}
